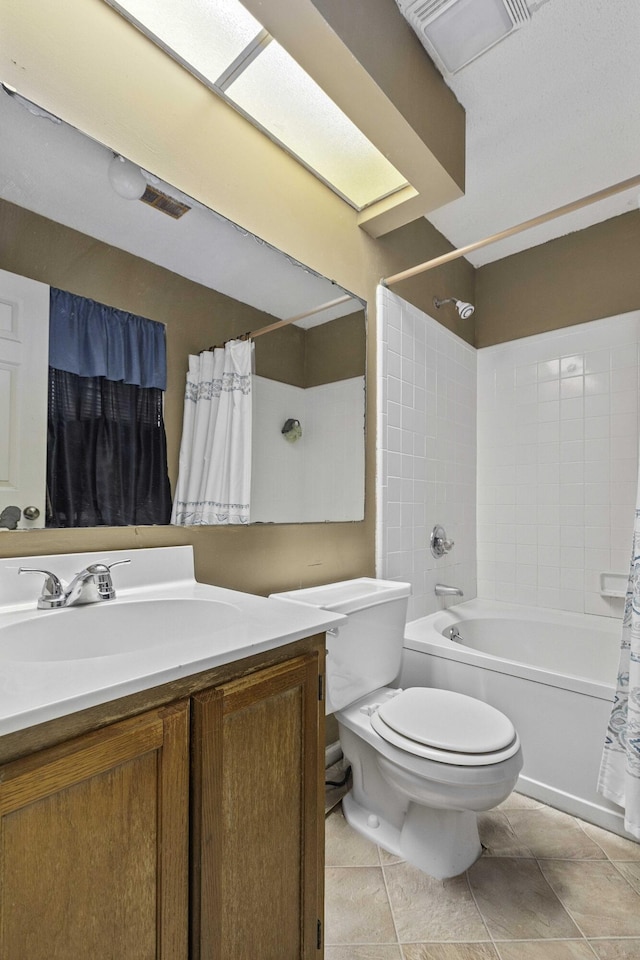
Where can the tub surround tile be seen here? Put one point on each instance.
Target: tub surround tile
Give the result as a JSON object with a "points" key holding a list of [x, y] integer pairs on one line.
{"points": [[579, 416], [425, 909], [357, 908], [597, 896], [428, 416], [517, 902]]}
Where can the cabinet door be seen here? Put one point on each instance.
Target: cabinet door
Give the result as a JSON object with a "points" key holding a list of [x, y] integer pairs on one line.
{"points": [[257, 819], [94, 845]]}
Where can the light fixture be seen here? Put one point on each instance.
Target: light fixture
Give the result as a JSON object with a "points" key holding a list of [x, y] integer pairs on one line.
{"points": [[227, 49], [126, 179], [464, 309]]}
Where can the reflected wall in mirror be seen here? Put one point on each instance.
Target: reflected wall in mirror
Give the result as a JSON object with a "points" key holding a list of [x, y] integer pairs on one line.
{"points": [[62, 224]]}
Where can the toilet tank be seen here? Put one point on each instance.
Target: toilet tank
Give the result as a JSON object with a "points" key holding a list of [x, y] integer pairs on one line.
{"points": [[364, 653]]}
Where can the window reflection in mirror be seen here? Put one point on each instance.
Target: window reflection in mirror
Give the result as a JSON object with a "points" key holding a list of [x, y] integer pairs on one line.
{"points": [[62, 224]]}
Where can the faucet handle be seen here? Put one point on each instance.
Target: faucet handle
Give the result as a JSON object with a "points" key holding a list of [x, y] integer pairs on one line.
{"points": [[439, 543], [52, 592], [101, 573]]}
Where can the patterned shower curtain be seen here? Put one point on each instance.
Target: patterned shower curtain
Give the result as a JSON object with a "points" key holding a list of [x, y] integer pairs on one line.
{"points": [[214, 476], [619, 779]]}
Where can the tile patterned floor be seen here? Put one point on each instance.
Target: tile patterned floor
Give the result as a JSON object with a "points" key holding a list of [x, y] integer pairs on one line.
{"points": [[548, 887]]}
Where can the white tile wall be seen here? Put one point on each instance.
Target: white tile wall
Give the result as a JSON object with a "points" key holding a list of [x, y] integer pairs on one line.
{"points": [[334, 462], [321, 476], [277, 469], [558, 464], [426, 464]]}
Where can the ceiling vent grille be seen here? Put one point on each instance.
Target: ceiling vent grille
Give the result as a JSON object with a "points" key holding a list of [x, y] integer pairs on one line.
{"points": [[455, 32], [164, 203]]}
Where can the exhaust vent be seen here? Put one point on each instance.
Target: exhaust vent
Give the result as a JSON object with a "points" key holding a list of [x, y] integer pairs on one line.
{"points": [[164, 203], [455, 32]]}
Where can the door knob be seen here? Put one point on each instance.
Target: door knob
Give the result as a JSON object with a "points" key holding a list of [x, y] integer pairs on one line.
{"points": [[31, 513]]}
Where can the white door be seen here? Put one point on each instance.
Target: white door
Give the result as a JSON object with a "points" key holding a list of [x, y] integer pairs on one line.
{"points": [[24, 358]]}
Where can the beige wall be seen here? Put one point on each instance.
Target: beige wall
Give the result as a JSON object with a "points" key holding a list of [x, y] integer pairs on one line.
{"points": [[84, 64], [586, 275], [336, 351], [195, 317]]}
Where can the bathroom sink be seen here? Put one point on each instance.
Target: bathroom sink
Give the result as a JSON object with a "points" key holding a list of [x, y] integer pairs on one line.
{"points": [[112, 629]]}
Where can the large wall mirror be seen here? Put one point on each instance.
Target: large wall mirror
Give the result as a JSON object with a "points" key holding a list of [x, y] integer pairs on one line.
{"points": [[63, 225]]}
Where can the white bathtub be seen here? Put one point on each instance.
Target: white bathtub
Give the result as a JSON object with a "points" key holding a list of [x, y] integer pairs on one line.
{"points": [[552, 673]]}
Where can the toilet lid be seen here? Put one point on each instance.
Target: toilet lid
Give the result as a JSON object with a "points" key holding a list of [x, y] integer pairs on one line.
{"points": [[448, 721]]}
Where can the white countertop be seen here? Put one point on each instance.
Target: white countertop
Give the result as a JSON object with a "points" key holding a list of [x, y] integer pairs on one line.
{"points": [[36, 690]]}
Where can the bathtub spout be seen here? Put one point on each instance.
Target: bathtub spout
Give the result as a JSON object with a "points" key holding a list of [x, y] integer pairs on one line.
{"points": [[442, 590]]}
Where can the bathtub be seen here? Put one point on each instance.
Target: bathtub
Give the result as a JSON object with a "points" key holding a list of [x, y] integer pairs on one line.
{"points": [[552, 673]]}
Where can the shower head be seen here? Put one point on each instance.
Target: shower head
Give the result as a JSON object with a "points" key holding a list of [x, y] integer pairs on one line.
{"points": [[464, 309]]}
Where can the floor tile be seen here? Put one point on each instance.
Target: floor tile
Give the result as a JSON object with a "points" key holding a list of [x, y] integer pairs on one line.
{"points": [[615, 847], [596, 895], [616, 949], [551, 833], [499, 838], [449, 951], [516, 901], [518, 801], [346, 848], [356, 907], [425, 909], [386, 857], [366, 952], [631, 873], [546, 950]]}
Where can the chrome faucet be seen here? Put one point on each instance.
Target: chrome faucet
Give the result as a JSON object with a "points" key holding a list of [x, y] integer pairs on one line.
{"points": [[89, 586], [442, 590]]}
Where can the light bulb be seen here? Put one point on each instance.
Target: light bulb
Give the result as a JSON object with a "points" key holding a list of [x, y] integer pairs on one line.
{"points": [[126, 179]]}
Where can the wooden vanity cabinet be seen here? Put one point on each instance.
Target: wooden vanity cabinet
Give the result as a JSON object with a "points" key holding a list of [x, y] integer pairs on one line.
{"points": [[191, 831], [94, 845], [257, 825]]}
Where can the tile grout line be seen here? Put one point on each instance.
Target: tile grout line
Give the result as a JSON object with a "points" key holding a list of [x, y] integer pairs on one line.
{"points": [[559, 898], [480, 913], [393, 916]]}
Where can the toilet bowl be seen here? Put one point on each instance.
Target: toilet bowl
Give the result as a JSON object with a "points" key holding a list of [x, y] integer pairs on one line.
{"points": [[417, 800], [425, 761]]}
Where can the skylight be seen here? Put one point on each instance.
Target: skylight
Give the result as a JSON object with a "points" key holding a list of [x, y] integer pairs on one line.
{"points": [[223, 45]]}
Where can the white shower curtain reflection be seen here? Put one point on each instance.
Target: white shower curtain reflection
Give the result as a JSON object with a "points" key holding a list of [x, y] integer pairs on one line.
{"points": [[619, 779], [214, 479]]}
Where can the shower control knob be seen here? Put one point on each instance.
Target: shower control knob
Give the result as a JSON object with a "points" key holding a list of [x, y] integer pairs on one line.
{"points": [[439, 544]]}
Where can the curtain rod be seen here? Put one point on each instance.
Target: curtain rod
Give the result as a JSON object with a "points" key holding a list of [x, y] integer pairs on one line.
{"points": [[252, 334], [511, 231]]}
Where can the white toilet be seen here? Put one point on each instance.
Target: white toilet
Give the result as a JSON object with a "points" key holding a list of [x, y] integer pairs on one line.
{"points": [[424, 761]]}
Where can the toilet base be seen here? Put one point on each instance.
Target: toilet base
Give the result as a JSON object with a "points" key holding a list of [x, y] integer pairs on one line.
{"points": [[441, 843]]}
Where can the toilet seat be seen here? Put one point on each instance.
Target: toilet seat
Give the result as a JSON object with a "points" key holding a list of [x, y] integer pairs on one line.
{"points": [[445, 726]]}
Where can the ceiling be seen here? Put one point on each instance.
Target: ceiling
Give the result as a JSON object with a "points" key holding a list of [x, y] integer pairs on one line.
{"points": [[553, 114], [52, 169]]}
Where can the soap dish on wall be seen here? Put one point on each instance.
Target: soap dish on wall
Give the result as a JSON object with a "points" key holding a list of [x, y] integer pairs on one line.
{"points": [[613, 584]]}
